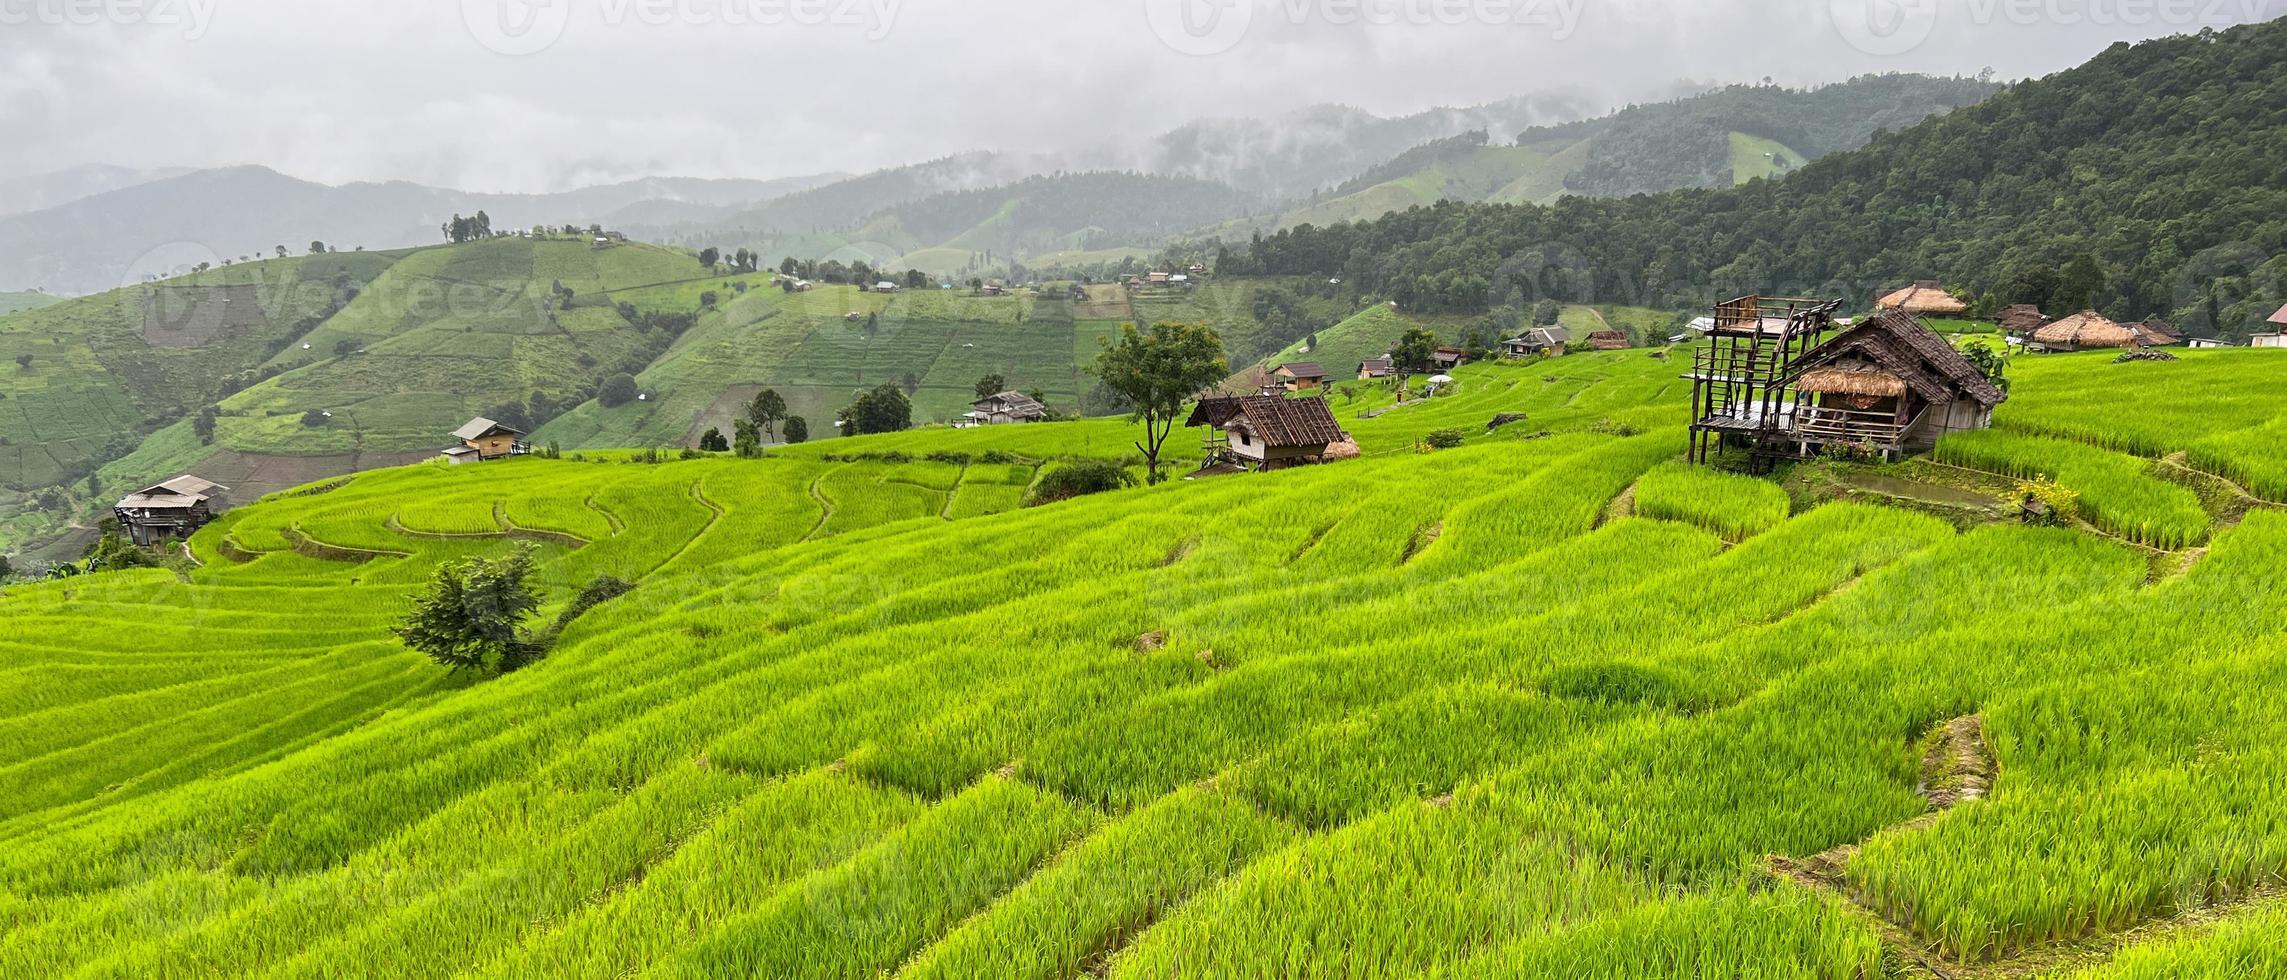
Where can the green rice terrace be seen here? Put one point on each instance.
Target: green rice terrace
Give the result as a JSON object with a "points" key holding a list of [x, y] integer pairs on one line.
{"points": [[1548, 703]]}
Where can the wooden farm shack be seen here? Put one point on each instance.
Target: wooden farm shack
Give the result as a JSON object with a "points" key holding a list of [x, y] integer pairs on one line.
{"points": [[2086, 330], [1890, 383], [2022, 319], [483, 438], [1608, 340], [2155, 333], [1267, 432], [1537, 341], [1374, 367], [1742, 393], [1300, 376], [172, 509], [1448, 358], [1924, 298], [1006, 408]]}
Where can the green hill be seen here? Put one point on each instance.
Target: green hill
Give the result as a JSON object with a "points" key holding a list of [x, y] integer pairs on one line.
{"points": [[1297, 724], [1719, 138], [2092, 171], [15, 302]]}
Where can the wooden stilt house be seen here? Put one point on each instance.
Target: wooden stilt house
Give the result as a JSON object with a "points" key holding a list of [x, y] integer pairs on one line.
{"points": [[1890, 384], [1742, 390], [172, 509]]}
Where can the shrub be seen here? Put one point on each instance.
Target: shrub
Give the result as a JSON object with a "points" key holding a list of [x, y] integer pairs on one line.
{"points": [[599, 590], [1444, 438], [1079, 479]]}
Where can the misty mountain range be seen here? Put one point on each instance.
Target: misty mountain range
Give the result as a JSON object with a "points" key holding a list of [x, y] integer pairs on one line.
{"points": [[97, 228]]}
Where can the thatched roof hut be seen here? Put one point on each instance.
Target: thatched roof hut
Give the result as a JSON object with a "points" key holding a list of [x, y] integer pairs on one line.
{"points": [[2083, 331], [1608, 340], [1924, 298], [2156, 333]]}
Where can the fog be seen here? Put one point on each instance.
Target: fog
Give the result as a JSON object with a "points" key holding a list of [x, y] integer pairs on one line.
{"points": [[545, 95]]}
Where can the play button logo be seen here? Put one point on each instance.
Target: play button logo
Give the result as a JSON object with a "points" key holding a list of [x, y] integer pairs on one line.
{"points": [[516, 27], [1200, 27]]}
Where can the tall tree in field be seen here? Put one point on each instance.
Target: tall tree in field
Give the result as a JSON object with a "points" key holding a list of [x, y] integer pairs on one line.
{"points": [[990, 385], [472, 614], [765, 410], [1410, 355], [709, 256], [884, 409], [1157, 373], [797, 429]]}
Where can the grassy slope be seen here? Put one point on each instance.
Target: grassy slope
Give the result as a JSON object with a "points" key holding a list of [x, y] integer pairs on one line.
{"points": [[98, 379], [16, 302], [1755, 156], [1374, 695]]}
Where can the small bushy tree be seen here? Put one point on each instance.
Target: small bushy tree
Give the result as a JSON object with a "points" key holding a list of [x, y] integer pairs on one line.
{"points": [[472, 614], [797, 429], [712, 441], [1156, 374], [1078, 479], [619, 389]]}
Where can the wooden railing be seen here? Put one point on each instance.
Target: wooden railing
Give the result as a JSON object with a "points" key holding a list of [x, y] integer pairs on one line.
{"points": [[1844, 425]]}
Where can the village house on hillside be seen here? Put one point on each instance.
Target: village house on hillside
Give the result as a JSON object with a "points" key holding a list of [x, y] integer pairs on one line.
{"points": [[1006, 408], [1608, 340], [1300, 376], [1537, 341], [1448, 358], [1771, 381], [1268, 432], [2086, 330], [1924, 298], [1374, 367], [171, 509], [483, 438]]}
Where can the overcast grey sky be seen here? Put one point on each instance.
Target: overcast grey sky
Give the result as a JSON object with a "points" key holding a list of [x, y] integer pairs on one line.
{"points": [[537, 95]]}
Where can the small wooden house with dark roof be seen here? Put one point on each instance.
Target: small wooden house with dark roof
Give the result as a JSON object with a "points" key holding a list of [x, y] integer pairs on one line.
{"points": [[1374, 367], [1890, 383], [483, 438], [1608, 340], [2155, 333], [1924, 298], [1006, 408], [1537, 341], [1300, 376], [1267, 432], [2086, 330], [171, 509], [2022, 319], [1447, 358]]}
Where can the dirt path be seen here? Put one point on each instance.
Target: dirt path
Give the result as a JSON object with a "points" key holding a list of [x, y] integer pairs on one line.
{"points": [[825, 506]]}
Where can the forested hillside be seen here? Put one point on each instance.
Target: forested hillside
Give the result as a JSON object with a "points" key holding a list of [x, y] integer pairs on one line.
{"points": [[2158, 162]]}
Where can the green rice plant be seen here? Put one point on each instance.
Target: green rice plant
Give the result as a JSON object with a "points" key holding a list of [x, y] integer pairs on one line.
{"points": [[2117, 492], [1737, 507]]}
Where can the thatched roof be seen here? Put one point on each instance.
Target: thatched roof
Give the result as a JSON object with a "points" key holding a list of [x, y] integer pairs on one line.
{"points": [[1894, 343], [1925, 298], [1608, 340], [2022, 318], [1845, 381], [2088, 328], [1288, 423]]}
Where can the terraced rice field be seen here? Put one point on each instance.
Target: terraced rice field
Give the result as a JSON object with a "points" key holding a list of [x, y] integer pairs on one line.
{"points": [[1542, 705]]}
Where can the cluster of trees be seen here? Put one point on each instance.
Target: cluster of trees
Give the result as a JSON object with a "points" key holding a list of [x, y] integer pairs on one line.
{"points": [[470, 229], [2157, 162], [884, 408], [743, 260]]}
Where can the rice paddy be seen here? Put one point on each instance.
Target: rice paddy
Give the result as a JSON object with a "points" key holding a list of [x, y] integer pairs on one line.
{"points": [[1419, 714]]}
